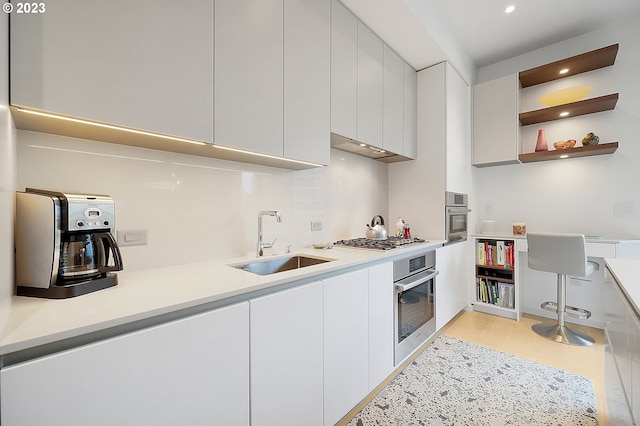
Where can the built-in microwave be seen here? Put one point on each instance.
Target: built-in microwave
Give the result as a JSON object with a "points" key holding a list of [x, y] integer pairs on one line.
{"points": [[456, 216]]}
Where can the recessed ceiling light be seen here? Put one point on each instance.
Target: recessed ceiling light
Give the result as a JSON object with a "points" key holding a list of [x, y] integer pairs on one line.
{"points": [[564, 114], [363, 144], [564, 156], [510, 9], [564, 71]]}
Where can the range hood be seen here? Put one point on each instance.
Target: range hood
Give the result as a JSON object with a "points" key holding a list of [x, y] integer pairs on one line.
{"points": [[364, 149]]}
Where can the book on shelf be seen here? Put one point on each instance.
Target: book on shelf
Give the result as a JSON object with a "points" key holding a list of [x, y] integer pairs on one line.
{"points": [[501, 253], [495, 293], [496, 253], [481, 254]]}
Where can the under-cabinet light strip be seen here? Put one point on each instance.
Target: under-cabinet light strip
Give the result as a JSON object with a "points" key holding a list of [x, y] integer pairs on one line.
{"points": [[266, 155], [142, 132], [108, 126]]}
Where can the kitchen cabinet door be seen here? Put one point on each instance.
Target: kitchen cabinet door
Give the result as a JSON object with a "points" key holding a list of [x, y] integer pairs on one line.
{"points": [[287, 357], [381, 321], [619, 326], [393, 102], [346, 348], [249, 75], [307, 80], [410, 82], [618, 323], [344, 71], [496, 130], [634, 396], [452, 294], [190, 371], [635, 368], [370, 83], [142, 65], [458, 132]]}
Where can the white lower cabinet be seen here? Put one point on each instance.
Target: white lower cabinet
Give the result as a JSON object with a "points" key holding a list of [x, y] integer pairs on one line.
{"points": [[452, 283], [305, 355], [287, 357], [346, 346], [381, 321], [191, 371], [622, 360]]}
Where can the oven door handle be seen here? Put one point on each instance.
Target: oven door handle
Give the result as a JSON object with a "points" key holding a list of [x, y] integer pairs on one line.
{"points": [[409, 286]]}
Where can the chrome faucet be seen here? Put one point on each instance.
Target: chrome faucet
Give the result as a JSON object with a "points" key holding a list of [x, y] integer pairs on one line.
{"points": [[261, 245]]}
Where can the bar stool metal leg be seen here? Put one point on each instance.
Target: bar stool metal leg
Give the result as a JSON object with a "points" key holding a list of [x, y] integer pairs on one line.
{"points": [[559, 332]]}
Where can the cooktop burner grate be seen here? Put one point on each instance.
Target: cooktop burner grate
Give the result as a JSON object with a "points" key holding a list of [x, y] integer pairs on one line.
{"points": [[388, 244]]}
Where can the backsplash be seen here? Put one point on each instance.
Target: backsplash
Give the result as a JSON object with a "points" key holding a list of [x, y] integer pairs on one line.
{"points": [[197, 208]]}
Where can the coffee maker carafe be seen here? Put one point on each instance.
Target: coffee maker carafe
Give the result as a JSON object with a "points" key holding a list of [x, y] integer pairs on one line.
{"points": [[64, 244]]}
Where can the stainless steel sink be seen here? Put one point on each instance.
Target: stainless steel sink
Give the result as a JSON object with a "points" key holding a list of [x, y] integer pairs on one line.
{"points": [[280, 264]]}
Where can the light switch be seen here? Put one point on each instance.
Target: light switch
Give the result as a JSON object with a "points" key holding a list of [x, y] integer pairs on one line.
{"points": [[132, 238]]}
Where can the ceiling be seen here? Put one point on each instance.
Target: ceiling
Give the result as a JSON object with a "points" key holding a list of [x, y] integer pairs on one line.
{"points": [[475, 33]]}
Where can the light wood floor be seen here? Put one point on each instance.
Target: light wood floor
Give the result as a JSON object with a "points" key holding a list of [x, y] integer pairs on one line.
{"points": [[516, 338]]}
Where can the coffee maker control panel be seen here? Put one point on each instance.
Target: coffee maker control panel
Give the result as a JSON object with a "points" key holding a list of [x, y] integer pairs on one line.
{"points": [[90, 212]]}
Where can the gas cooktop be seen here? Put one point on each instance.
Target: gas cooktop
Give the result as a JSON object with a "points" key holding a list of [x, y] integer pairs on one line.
{"points": [[388, 244]]}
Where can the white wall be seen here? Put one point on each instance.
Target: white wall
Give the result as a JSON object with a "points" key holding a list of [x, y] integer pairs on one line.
{"points": [[201, 208], [7, 174], [575, 195]]}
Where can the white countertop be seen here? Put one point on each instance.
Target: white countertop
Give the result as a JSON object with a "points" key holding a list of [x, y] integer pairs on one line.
{"points": [[627, 274], [26, 322], [589, 238]]}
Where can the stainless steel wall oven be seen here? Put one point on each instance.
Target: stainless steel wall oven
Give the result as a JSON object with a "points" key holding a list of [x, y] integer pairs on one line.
{"points": [[414, 302], [456, 217]]}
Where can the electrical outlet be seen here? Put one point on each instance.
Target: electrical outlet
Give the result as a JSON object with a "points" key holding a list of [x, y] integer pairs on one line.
{"points": [[488, 209], [316, 226], [132, 238], [623, 208]]}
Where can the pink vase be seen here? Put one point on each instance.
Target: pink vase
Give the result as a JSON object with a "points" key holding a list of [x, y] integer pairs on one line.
{"points": [[541, 144]]}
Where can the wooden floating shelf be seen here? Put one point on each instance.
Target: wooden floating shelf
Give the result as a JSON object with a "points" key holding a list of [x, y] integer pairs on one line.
{"points": [[558, 154], [587, 106], [596, 59]]}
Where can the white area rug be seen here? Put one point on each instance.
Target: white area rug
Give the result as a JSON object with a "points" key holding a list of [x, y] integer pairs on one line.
{"points": [[454, 382]]}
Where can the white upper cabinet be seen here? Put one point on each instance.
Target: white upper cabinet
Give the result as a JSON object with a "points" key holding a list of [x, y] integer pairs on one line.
{"points": [[393, 104], [108, 61], [344, 71], [249, 75], [495, 122], [373, 91], [307, 80], [458, 132], [410, 111], [272, 77], [370, 90]]}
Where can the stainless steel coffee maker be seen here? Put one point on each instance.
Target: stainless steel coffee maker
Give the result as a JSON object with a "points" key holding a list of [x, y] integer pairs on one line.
{"points": [[64, 244]]}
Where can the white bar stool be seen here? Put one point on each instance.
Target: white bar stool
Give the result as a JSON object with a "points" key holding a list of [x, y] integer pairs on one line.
{"points": [[563, 254]]}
